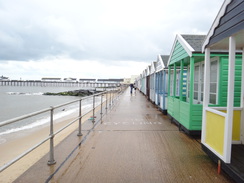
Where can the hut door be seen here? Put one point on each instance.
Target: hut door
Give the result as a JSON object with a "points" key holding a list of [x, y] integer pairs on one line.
{"points": [[242, 115], [148, 87]]}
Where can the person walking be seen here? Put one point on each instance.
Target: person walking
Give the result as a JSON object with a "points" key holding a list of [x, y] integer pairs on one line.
{"points": [[131, 88]]}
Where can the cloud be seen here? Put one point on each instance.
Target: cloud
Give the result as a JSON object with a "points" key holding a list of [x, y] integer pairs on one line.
{"points": [[105, 31], [66, 67]]}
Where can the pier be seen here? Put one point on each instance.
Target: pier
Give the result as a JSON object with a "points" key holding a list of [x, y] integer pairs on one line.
{"points": [[57, 83], [134, 142]]}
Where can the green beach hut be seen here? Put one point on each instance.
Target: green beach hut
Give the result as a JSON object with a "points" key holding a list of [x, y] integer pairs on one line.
{"points": [[186, 82]]}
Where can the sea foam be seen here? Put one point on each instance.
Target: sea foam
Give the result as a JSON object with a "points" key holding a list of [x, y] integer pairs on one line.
{"points": [[45, 120]]}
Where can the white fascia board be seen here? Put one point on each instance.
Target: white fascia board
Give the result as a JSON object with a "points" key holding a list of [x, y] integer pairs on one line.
{"points": [[215, 23], [153, 67], [172, 50], [161, 61], [185, 45], [143, 73], [148, 70]]}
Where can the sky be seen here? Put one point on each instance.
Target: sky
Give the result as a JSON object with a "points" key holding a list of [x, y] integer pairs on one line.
{"points": [[94, 38]]}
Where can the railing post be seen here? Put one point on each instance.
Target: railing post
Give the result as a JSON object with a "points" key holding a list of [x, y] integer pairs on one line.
{"points": [[80, 119], [93, 114], [51, 160], [110, 98], [106, 100], [101, 108]]}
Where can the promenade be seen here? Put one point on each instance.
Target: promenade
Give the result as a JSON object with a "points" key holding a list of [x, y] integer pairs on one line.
{"points": [[135, 143]]}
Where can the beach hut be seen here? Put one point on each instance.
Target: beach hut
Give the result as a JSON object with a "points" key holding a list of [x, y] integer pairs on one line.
{"points": [[223, 126], [152, 82], [161, 83], [143, 81], [139, 82], [148, 71], [186, 81]]}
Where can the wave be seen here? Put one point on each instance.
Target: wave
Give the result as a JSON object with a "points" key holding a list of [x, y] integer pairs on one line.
{"points": [[45, 120], [24, 93]]}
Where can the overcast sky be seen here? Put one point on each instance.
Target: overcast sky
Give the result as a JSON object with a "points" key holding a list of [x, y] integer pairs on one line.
{"points": [[94, 38]]}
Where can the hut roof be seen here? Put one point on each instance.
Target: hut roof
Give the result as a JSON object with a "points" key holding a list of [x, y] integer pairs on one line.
{"points": [[195, 41]]}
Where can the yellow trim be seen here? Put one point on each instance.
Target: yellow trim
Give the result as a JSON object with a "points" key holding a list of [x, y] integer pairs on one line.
{"points": [[215, 131], [236, 131]]}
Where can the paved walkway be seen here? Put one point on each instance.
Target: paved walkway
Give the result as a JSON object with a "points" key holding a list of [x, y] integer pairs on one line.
{"points": [[135, 143]]}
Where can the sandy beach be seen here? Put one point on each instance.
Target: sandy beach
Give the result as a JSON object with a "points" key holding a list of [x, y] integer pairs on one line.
{"points": [[14, 144]]}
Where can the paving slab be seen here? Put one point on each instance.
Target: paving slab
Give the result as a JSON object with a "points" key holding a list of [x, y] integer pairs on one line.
{"points": [[134, 143]]}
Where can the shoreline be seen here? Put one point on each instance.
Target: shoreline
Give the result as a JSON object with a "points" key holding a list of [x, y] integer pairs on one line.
{"points": [[10, 148], [16, 144]]}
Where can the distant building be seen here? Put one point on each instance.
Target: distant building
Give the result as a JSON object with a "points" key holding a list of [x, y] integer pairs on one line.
{"points": [[51, 79], [110, 80], [130, 80], [70, 79], [3, 78], [87, 80], [133, 78], [127, 80]]}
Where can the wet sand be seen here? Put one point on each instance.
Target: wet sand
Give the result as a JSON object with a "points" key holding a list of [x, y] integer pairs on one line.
{"points": [[17, 144], [14, 144]]}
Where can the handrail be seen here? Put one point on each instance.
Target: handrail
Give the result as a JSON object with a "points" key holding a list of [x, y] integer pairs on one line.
{"points": [[23, 154], [52, 134], [7, 122]]}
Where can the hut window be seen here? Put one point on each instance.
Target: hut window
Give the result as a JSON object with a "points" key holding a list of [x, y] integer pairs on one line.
{"points": [[213, 81], [171, 83], [188, 83], [156, 82], [198, 82], [166, 82], [177, 83], [184, 82], [161, 81]]}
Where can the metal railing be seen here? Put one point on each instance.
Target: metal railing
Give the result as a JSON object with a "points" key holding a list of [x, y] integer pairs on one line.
{"points": [[110, 96]]}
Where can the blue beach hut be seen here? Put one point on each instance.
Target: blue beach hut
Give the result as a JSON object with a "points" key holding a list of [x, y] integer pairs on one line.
{"points": [[161, 84]]}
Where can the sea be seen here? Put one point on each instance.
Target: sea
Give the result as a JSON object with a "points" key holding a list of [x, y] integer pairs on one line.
{"points": [[16, 101]]}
